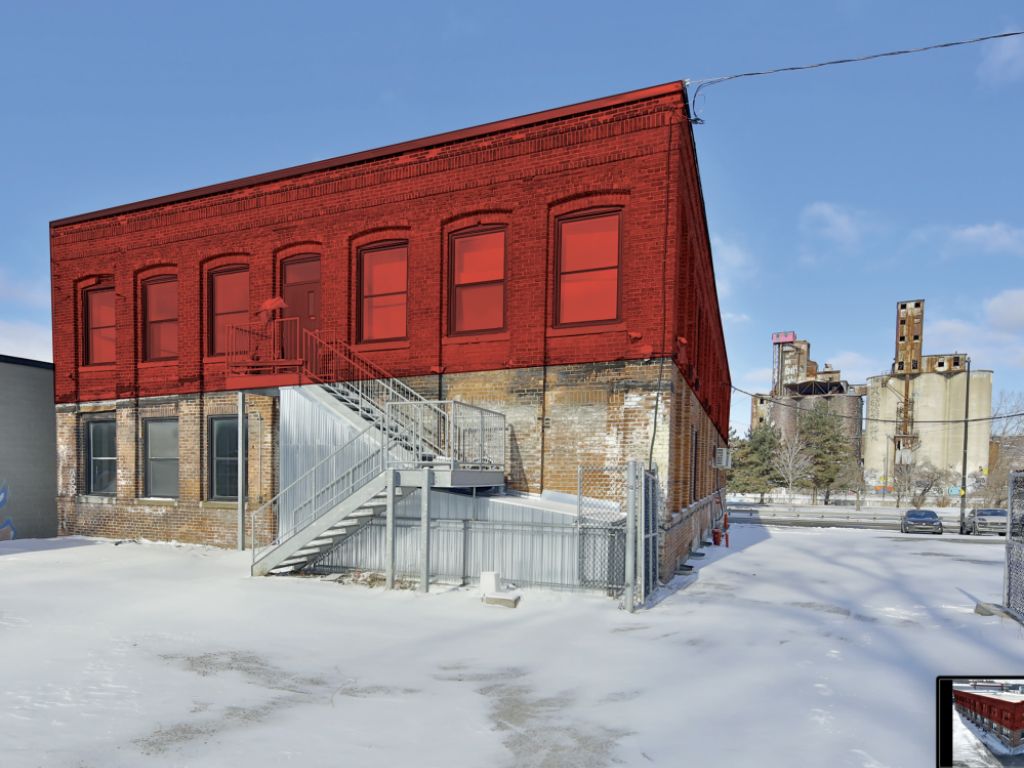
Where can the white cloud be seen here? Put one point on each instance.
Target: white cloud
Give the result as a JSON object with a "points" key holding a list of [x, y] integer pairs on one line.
{"points": [[25, 339], [833, 223], [993, 238], [1005, 310], [757, 379], [1002, 61], [733, 263], [735, 318], [989, 347]]}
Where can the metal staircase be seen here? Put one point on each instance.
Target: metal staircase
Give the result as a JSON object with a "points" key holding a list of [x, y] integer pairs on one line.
{"points": [[403, 434]]}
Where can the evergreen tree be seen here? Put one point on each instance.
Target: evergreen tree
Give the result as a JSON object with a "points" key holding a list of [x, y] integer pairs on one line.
{"points": [[830, 450], [753, 469]]}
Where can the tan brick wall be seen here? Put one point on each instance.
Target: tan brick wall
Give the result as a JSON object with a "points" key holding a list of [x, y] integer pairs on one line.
{"points": [[192, 517]]}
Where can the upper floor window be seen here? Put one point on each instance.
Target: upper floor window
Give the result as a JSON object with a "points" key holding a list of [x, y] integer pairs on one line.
{"points": [[99, 324], [478, 281], [383, 291], [160, 318], [229, 305], [588, 268]]}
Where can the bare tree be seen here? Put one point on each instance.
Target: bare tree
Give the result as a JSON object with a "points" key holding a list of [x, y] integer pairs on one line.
{"points": [[917, 481], [792, 461], [1008, 443]]}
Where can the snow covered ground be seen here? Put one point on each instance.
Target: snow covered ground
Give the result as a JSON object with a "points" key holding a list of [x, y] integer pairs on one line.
{"points": [[796, 647], [970, 749]]}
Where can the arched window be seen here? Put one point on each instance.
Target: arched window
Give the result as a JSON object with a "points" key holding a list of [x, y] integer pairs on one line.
{"points": [[229, 305], [160, 318], [477, 285], [383, 292], [100, 337], [588, 267]]}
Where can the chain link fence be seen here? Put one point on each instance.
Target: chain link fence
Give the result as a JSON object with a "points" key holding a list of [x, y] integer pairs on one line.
{"points": [[1015, 546], [601, 501]]}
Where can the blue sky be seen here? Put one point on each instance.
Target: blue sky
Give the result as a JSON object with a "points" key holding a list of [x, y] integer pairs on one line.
{"points": [[830, 194]]}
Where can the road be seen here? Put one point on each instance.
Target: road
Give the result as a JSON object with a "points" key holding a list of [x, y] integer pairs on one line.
{"points": [[882, 518]]}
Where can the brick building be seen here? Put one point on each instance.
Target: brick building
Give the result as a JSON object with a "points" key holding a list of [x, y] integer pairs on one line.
{"points": [[998, 713], [554, 268]]}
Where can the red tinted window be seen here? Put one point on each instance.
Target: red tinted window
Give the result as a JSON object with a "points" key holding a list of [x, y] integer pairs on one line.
{"points": [[160, 309], [588, 269], [229, 305], [478, 282], [383, 293], [99, 322]]}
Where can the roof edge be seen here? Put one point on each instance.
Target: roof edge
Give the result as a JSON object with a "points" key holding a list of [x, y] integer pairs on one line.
{"points": [[461, 134], [27, 362]]}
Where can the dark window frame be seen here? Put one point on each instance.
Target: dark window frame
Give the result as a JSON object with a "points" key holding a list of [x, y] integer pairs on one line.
{"points": [[91, 459], [211, 300], [590, 213], [147, 458], [453, 288], [384, 245], [146, 322], [87, 293], [211, 457]]}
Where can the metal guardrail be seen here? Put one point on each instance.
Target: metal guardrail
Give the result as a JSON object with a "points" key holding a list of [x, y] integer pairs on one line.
{"points": [[322, 488], [272, 346], [445, 432]]}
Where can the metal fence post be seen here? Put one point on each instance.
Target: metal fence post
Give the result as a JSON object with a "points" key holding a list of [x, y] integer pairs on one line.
{"points": [[425, 531], [630, 577], [389, 533]]}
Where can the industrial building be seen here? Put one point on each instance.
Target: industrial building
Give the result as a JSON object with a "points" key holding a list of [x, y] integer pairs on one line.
{"points": [[996, 712], [491, 308], [798, 384], [28, 450], [916, 410]]}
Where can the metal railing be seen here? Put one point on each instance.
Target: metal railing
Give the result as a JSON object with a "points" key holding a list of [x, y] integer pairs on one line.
{"points": [[445, 432], [320, 489], [271, 346]]}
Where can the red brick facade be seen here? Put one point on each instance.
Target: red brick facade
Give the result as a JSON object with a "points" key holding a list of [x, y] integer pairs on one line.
{"points": [[1000, 715], [653, 381], [632, 152]]}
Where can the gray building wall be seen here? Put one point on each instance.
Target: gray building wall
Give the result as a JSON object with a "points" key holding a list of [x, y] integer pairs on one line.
{"points": [[28, 448]]}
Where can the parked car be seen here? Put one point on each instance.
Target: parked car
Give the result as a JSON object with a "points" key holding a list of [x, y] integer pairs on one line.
{"points": [[980, 521], [920, 521]]}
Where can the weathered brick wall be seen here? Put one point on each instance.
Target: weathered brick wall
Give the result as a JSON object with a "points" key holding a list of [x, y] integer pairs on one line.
{"points": [[192, 517]]}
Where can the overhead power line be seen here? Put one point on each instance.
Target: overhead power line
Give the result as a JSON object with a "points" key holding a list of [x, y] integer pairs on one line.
{"points": [[788, 404], [709, 81]]}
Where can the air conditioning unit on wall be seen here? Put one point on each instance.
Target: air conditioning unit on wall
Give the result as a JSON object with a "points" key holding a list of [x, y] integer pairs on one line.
{"points": [[723, 459]]}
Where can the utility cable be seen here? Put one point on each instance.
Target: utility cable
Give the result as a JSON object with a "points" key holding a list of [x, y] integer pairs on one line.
{"points": [[709, 81]]}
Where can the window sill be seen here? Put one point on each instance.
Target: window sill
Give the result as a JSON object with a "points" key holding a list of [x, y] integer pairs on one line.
{"points": [[98, 368], [476, 338], [157, 501], [586, 330], [219, 504], [158, 363], [215, 360], [93, 498], [380, 346]]}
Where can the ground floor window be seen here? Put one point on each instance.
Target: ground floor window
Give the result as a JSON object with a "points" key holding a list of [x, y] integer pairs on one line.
{"points": [[224, 458], [101, 452], [162, 458]]}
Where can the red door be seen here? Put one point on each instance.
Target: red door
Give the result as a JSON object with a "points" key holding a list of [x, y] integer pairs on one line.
{"points": [[300, 289]]}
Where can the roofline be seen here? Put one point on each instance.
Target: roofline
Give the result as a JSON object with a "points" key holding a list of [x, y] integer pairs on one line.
{"points": [[461, 134], [26, 362]]}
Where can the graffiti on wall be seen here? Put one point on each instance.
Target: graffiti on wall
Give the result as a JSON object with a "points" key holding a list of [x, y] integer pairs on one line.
{"points": [[7, 531]]}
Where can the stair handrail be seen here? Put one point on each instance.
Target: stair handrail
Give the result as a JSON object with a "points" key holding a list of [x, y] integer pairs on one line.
{"points": [[367, 377], [376, 454]]}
